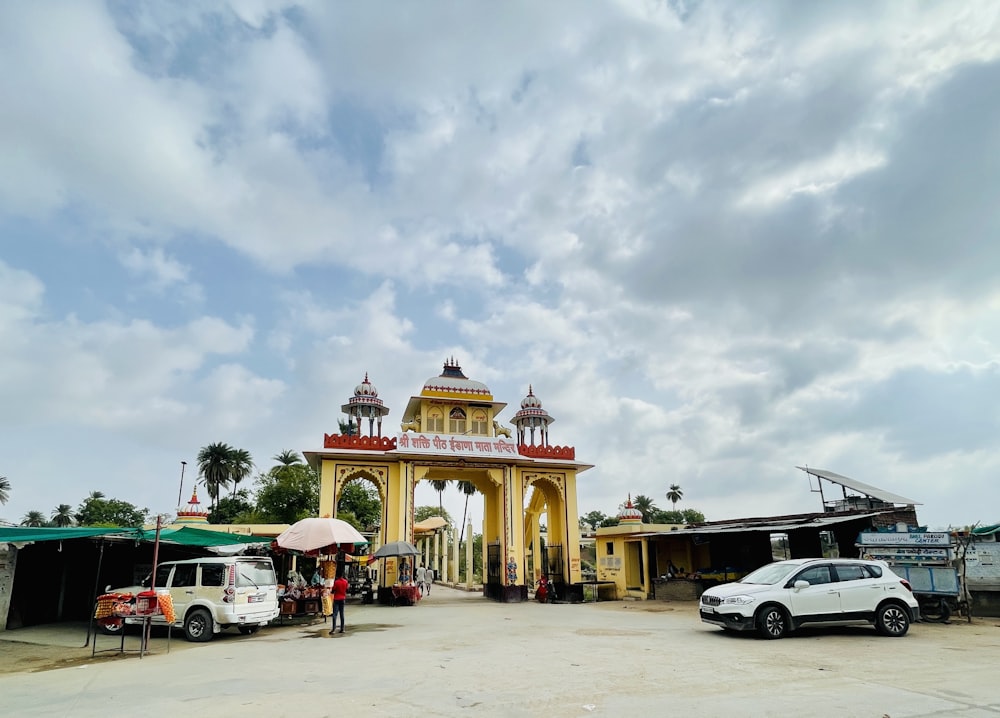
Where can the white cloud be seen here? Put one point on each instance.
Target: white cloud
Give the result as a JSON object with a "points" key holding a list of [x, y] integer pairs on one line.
{"points": [[719, 239]]}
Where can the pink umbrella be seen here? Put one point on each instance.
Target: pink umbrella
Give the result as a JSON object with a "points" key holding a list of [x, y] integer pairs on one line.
{"points": [[314, 534]]}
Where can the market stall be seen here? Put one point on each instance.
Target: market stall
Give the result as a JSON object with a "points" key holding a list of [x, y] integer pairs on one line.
{"points": [[332, 543], [117, 609], [405, 595]]}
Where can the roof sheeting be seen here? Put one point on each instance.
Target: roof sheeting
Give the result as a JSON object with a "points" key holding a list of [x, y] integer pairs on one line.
{"points": [[186, 536], [190, 536], [22, 534], [771, 527], [986, 530], [866, 489], [429, 525]]}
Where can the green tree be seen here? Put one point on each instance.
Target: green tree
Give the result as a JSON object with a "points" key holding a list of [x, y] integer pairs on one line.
{"points": [[361, 499], [214, 468], [645, 506], [109, 512], [4, 490], [33, 518], [287, 457], [235, 509], [240, 466], [594, 519], [286, 494], [687, 516], [674, 494], [469, 489], [440, 485], [422, 513], [347, 428], [62, 515]]}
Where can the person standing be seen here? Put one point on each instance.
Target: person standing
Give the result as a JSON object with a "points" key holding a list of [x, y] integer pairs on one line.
{"points": [[339, 599]]}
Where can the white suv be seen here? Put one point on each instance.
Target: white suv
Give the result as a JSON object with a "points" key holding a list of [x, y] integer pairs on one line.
{"points": [[785, 595], [209, 594]]}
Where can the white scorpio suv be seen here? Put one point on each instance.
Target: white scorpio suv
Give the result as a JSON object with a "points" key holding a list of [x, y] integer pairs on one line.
{"points": [[782, 596]]}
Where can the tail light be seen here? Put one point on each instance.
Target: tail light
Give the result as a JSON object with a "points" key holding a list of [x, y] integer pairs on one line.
{"points": [[229, 595], [906, 585]]}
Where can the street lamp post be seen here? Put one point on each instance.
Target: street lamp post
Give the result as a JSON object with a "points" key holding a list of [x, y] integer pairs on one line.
{"points": [[180, 491]]}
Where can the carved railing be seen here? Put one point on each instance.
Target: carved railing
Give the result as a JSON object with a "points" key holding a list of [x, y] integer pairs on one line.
{"points": [[363, 443], [547, 452]]}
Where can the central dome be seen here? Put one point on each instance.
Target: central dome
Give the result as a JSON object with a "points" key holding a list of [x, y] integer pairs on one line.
{"points": [[452, 383]]}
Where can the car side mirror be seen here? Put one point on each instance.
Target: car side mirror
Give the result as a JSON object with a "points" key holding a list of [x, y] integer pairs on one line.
{"points": [[800, 584]]}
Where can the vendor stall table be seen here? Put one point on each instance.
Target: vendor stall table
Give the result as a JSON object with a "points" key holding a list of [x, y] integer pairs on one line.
{"points": [[126, 609], [298, 607], [405, 595]]}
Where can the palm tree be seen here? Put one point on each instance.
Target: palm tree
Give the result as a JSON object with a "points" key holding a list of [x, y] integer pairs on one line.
{"points": [[62, 515], [4, 489], [674, 495], [33, 518], [214, 468], [240, 466], [645, 505], [287, 457], [468, 488], [96, 495], [440, 485]]}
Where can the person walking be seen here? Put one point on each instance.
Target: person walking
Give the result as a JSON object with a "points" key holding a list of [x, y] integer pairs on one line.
{"points": [[339, 599], [421, 578], [429, 579]]}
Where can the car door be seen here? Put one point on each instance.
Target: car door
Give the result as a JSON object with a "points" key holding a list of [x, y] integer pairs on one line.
{"points": [[859, 592], [182, 587], [820, 600]]}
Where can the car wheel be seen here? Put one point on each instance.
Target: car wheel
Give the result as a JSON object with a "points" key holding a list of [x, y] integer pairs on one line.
{"points": [[772, 622], [935, 611], [112, 628], [249, 630], [198, 626], [891, 619]]}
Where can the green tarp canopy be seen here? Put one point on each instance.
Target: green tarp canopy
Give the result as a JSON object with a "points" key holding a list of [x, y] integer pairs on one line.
{"points": [[186, 536], [986, 530], [17, 534], [190, 536]]}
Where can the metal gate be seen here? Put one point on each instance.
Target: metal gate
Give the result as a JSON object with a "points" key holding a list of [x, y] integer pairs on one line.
{"points": [[493, 585], [554, 569]]}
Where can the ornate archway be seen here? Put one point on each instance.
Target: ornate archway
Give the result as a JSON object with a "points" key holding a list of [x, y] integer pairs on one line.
{"points": [[451, 431]]}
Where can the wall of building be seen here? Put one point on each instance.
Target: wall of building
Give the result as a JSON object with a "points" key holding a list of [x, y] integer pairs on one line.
{"points": [[611, 561], [8, 562]]}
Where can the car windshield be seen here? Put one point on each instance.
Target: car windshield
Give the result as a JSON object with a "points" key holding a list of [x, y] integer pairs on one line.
{"points": [[769, 575], [255, 573]]}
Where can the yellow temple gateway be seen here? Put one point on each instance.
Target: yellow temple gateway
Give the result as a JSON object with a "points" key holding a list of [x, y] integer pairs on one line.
{"points": [[451, 431]]}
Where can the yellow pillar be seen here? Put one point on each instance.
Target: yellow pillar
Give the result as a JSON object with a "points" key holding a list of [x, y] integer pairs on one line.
{"points": [[468, 558], [644, 557]]}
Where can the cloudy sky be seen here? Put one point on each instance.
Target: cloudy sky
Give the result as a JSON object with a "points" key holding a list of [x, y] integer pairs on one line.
{"points": [[719, 239]]}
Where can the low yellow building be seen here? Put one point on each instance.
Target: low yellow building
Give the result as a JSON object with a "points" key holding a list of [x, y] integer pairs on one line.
{"points": [[627, 558]]}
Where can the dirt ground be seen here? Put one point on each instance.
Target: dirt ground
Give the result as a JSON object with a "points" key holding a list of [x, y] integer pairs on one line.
{"points": [[46, 648], [454, 652], [61, 646]]}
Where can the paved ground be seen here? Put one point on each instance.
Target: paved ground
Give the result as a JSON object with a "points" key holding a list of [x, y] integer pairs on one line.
{"points": [[457, 654]]}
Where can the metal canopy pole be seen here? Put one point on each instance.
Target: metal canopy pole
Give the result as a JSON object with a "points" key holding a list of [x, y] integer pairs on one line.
{"points": [[93, 601], [147, 621]]}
